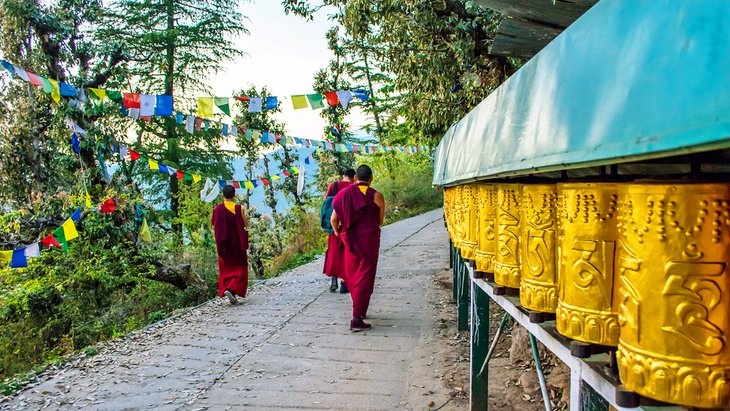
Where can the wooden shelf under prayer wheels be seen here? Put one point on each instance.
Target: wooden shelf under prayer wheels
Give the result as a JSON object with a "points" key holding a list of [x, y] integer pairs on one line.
{"points": [[587, 306], [674, 249], [506, 264], [538, 251]]}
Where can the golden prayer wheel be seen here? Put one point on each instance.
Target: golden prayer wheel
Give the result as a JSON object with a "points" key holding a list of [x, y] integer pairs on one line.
{"points": [[457, 217], [587, 304], [486, 226], [538, 249], [507, 258], [448, 210], [674, 250], [469, 211]]}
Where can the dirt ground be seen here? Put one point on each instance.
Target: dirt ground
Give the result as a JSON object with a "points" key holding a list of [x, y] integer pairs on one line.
{"points": [[513, 383]]}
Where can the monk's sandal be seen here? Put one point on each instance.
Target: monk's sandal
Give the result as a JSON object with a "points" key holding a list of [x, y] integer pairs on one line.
{"points": [[231, 297]]}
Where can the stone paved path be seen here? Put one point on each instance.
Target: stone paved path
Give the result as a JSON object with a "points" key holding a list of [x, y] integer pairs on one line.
{"points": [[287, 346]]}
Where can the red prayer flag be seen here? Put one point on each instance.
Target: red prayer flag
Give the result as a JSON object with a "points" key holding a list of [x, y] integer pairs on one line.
{"points": [[134, 155], [236, 184], [286, 173], [108, 206], [131, 100], [180, 174], [265, 181], [332, 99], [242, 98], [198, 123], [146, 118], [50, 241], [34, 79]]}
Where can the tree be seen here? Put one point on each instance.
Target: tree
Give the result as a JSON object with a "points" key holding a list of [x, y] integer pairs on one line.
{"points": [[174, 45]]}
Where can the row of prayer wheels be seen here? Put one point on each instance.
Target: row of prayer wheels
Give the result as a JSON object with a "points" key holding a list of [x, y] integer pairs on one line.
{"points": [[641, 266]]}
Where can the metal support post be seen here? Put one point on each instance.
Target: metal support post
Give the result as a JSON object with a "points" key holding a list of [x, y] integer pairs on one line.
{"points": [[540, 375], [479, 342], [463, 296]]}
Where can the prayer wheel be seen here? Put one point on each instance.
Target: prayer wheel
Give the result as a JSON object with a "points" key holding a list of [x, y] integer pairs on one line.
{"points": [[538, 248], [457, 217], [674, 250], [486, 226], [469, 211], [507, 258], [449, 211], [587, 304]]}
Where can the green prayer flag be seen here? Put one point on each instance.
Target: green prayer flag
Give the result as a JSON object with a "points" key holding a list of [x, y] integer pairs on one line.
{"points": [[115, 96], [46, 84], [315, 100], [223, 104], [188, 177], [61, 238]]}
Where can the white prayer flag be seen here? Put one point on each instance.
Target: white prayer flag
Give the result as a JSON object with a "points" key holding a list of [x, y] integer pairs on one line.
{"points": [[147, 104], [254, 104]]}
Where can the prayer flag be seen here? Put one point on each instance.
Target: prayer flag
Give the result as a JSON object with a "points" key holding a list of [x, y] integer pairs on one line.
{"points": [[9, 67], [187, 177], [332, 99], [180, 174], [97, 94], [242, 98], [153, 164], [294, 169], [34, 79], [68, 90], [315, 101], [265, 181], [223, 104], [206, 124], [234, 131], [275, 178], [236, 184], [144, 232], [254, 105], [171, 171], [361, 94], [196, 178], [55, 90], [46, 84], [108, 206], [198, 123], [88, 200], [249, 184], [271, 103], [50, 241], [33, 251], [21, 73], [224, 129], [75, 143], [76, 216], [179, 118], [299, 101], [163, 168], [147, 104], [6, 255], [131, 100], [115, 96], [221, 183], [345, 97], [300, 180], [163, 106], [190, 124], [18, 259], [205, 107], [134, 155], [69, 230], [255, 183], [134, 113]]}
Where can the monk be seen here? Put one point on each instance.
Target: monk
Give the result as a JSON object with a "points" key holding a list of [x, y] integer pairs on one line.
{"points": [[357, 216], [231, 240], [334, 259]]}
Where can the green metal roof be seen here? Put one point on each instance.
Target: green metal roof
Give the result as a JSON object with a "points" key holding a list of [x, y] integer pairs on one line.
{"points": [[629, 80]]}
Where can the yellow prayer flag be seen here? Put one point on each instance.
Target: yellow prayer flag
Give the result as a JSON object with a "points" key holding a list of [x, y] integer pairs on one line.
{"points": [[205, 107], [196, 178], [69, 230], [296, 170], [6, 255], [153, 164], [275, 177], [55, 90], [248, 184], [144, 232], [101, 94], [88, 200], [299, 102]]}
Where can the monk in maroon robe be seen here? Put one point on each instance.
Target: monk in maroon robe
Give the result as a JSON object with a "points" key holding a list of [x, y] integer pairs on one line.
{"points": [[334, 259], [231, 240], [356, 219]]}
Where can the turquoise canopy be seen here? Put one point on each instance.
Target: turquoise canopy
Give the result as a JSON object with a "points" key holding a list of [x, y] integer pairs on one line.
{"points": [[629, 80]]}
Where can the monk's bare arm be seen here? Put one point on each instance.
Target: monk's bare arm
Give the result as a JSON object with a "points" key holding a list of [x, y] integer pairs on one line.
{"points": [[380, 201], [335, 222]]}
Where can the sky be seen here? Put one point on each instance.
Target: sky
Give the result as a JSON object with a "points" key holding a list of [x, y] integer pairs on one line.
{"points": [[283, 53]]}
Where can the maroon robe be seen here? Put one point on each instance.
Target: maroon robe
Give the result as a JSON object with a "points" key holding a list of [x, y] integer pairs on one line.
{"points": [[334, 259], [360, 232], [231, 240]]}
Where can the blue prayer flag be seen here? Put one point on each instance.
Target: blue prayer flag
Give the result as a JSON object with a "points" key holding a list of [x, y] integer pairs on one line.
{"points": [[76, 215], [75, 143], [8, 66], [224, 129], [163, 105], [361, 94], [19, 260], [68, 90], [222, 183], [179, 118], [162, 168], [271, 103]]}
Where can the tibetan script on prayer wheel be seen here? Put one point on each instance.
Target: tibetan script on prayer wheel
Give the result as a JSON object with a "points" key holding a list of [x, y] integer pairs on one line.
{"points": [[469, 207], [486, 226], [538, 250], [507, 262], [587, 304], [674, 317]]}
